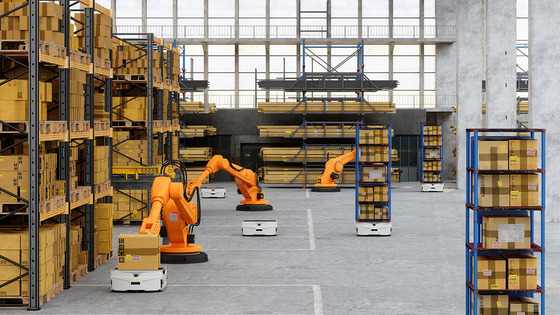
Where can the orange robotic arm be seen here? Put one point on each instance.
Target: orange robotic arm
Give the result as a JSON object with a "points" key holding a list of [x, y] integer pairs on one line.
{"points": [[333, 168], [245, 179]]}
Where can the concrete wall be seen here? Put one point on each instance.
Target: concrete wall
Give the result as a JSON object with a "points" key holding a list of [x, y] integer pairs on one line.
{"points": [[544, 80], [446, 85], [469, 76], [501, 63]]}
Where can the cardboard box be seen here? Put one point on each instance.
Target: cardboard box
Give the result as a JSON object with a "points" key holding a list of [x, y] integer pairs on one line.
{"points": [[138, 252], [506, 231], [380, 193], [524, 190], [493, 155], [493, 304], [522, 271], [365, 194], [493, 190], [523, 306], [381, 213], [523, 154], [375, 174], [432, 153], [491, 273], [367, 212]]}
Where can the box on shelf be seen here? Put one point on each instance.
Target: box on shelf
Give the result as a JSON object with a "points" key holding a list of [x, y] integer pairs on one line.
{"points": [[374, 174], [381, 193], [524, 190], [523, 154], [493, 304], [493, 155], [432, 154], [365, 194], [493, 190], [376, 154], [523, 305], [138, 252], [491, 273], [522, 271], [374, 136], [513, 231]]}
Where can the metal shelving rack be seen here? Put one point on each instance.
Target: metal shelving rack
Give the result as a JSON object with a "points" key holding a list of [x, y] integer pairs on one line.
{"points": [[431, 185], [331, 80], [372, 226], [473, 241]]}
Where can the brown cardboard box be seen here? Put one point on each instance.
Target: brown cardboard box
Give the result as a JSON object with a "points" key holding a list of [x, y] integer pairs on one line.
{"points": [[523, 306], [493, 190], [431, 154], [506, 231], [365, 194], [381, 213], [493, 155], [367, 212], [367, 136], [522, 271], [523, 154], [493, 304], [491, 273], [374, 174], [524, 190], [380, 193], [138, 252], [381, 136]]}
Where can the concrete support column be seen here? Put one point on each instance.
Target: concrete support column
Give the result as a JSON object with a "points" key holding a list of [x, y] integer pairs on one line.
{"points": [[421, 76], [390, 19], [268, 19], [267, 52], [205, 50], [236, 18], [236, 96], [144, 16], [114, 8], [360, 19], [421, 20], [329, 31], [500, 64], [206, 27], [298, 18], [544, 79], [391, 50], [175, 18], [469, 76], [446, 85]]}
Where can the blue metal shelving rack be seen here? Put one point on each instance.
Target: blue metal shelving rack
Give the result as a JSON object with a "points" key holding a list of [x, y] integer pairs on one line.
{"points": [[473, 243], [359, 183], [423, 159]]}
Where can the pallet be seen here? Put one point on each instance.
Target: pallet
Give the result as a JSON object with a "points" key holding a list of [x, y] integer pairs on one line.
{"points": [[47, 209], [78, 273], [128, 222], [102, 258], [80, 57], [55, 130], [19, 47], [79, 126], [24, 300], [130, 124], [136, 78], [101, 187]]}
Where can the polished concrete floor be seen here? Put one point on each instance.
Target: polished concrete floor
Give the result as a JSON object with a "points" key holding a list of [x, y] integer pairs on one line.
{"points": [[316, 264]]}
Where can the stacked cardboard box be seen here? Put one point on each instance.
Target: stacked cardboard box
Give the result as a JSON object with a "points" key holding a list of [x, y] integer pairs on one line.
{"points": [[16, 25], [395, 175], [432, 177], [373, 194], [433, 141], [432, 153], [15, 246], [491, 273], [99, 112], [375, 154], [77, 100], [104, 224], [14, 177], [493, 304], [371, 212], [14, 100], [198, 107], [135, 149], [376, 174], [432, 166], [502, 190], [297, 154], [102, 40], [73, 166], [76, 247], [137, 61], [318, 131], [292, 174], [175, 147], [521, 271], [506, 231], [508, 154], [129, 204], [374, 136], [133, 108], [101, 164], [523, 305], [433, 130], [138, 252]]}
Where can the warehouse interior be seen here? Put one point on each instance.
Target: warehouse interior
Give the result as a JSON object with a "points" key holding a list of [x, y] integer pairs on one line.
{"points": [[279, 157]]}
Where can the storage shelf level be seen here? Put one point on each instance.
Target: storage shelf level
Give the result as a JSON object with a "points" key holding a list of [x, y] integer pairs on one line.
{"points": [[534, 248], [537, 290]]}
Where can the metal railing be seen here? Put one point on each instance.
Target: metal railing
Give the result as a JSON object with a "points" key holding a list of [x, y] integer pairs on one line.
{"points": [[291, 31], [400, 100]]}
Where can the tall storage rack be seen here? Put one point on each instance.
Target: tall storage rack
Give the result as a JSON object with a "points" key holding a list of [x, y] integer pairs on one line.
{"points": [[431, 157], [474, 221], [323, 82], [373, 214], [39, 60], [153, 86]]}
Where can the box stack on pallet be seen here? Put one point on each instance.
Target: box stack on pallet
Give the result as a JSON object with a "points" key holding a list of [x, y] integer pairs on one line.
{"points": [[133, 152], [505, 185], [129, 205], [103, 232], [431, 157], [65, 127]]}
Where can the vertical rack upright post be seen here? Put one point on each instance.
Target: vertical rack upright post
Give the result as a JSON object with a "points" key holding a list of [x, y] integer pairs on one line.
{"points": [[474, 248]]}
